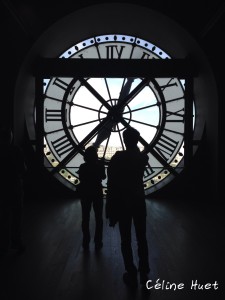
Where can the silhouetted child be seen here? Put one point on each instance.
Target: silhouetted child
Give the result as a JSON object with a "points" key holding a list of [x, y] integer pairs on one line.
{"points": [[125, 204], [91, 174], [12, 193]]}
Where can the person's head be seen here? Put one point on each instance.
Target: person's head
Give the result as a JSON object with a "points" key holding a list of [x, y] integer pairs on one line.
{"points": [[90, 154], [131, 137]]}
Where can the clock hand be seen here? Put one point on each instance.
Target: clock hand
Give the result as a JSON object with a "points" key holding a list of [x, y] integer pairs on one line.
{"points": [[107, 129], [95, 93], [124, 92], [129, 97], [124, 99], [116, 111], [125, 89], [79, 146], [104, 134]]}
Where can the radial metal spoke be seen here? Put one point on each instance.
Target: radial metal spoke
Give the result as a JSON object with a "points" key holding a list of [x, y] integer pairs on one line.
{"points": [[147, 148], [85, 123], [81, 145], [95, 93], [141, 108], [89, 108], [125, 124], [143, 123]]}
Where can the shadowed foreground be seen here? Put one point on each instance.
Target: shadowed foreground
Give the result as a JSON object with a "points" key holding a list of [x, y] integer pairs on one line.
{"points": [[185, 244]]}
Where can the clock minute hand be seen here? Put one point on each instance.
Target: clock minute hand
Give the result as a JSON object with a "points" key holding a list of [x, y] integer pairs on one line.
{"points": [[123, 101], [125, 89], [104, 134], [124, 93]]}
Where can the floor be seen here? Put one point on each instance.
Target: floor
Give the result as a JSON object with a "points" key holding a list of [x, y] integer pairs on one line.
{"points": [[185, 245]]}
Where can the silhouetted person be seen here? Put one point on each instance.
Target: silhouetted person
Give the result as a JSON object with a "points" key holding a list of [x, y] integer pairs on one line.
{"points": [[91, 174], [12, 193], [125, 204]]}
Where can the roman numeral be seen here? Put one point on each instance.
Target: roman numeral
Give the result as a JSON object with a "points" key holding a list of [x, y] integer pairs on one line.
{"points": [[169, 84], [53, 115], [148, 170], [114, 51], [177, 116], [61, 84], [145, 55], [166, 146], [62, 145]]}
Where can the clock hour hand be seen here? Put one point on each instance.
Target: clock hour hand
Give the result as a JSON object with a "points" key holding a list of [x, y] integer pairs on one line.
{"points": [[125, 91], [82, 144]]}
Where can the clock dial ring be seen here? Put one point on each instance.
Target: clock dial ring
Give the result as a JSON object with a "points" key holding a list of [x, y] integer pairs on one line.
{"points": [[164, 148]]}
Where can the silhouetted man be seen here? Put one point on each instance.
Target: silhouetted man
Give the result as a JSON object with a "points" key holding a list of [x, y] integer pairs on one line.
{"points": [[91, 174], [126, 204]]}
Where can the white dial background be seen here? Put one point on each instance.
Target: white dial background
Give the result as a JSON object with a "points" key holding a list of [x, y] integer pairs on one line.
{"points": [[157, 111]]}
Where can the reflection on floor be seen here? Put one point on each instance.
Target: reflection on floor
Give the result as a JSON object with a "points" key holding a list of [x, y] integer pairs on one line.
{"points": [[184, 245]]}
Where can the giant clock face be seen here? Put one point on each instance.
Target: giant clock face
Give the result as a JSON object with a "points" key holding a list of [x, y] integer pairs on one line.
{"points": [[86, 111]]}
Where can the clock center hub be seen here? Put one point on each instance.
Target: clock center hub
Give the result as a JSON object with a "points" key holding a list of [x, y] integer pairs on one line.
{"points": [[116, 114]]}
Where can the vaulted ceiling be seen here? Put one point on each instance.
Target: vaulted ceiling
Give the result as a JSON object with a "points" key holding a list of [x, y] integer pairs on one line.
{"points": [[24, 21]]}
